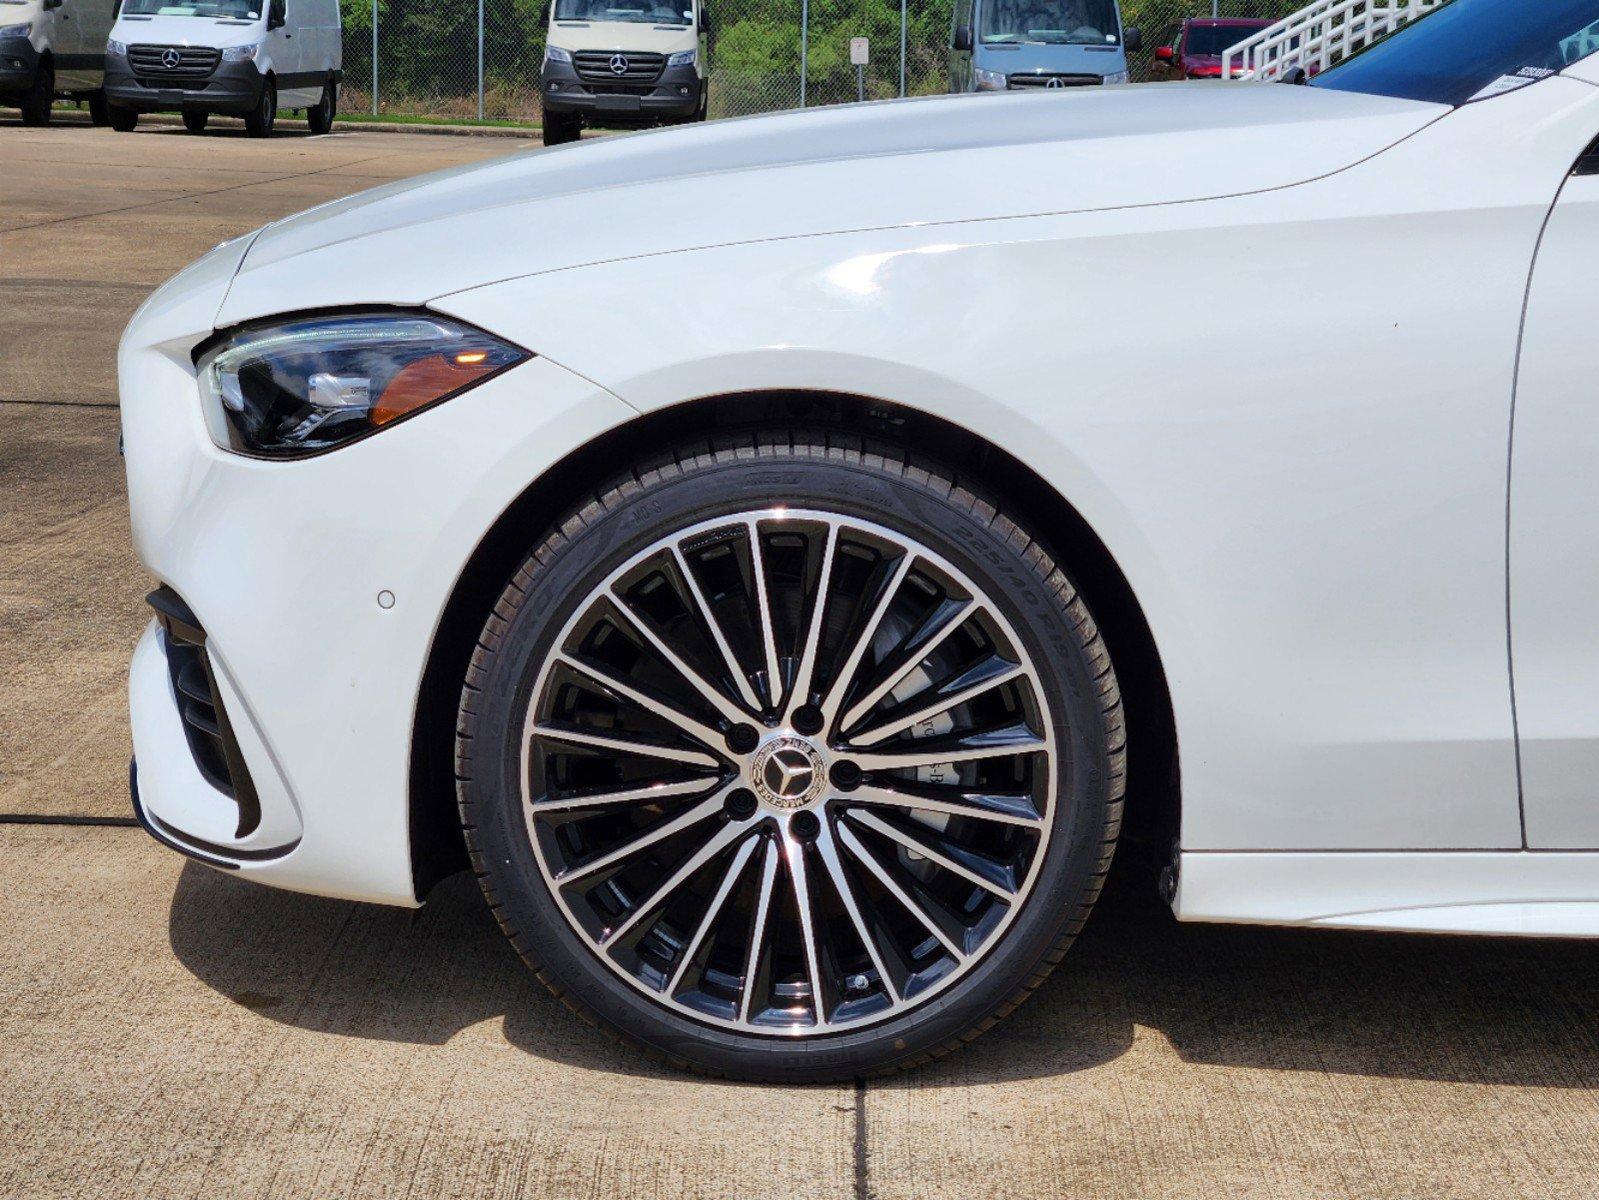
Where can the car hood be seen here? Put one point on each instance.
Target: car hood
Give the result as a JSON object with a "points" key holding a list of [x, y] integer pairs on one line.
{"points": [[917, 162]]}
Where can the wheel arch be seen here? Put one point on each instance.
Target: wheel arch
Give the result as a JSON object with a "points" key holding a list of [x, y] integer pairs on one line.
{"points": [[437, 846]]}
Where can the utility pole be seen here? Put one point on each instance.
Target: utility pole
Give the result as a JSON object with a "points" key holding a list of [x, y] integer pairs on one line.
{"points": [[479, 60], [374, 57], [805, 47]]}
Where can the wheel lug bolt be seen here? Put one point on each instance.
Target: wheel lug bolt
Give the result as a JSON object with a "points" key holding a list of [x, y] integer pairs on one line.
{"points": [[741, 739], [805, 826], [741, 804], [808, 719], [846, 776]]}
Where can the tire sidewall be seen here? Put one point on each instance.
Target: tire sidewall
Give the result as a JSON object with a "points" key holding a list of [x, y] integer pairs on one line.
{"points": [[492, 801]]}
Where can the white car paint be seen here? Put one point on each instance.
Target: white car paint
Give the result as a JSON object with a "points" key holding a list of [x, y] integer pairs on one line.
{"points": [[1299, 461]]}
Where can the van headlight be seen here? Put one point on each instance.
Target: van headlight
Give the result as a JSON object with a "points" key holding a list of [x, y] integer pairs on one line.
{"points": [[244, 53], [1116, 77], [683, 58], [17, 31], [116, 49], [989, 81], [306, 385], [555, 54]]}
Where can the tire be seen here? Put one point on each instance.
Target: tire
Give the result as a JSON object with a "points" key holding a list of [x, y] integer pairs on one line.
{"points": [[320, 118], [913, 543], [39, 101], [259, 123], [123, 120], [99, 109], [195, 122], [560, 128]]}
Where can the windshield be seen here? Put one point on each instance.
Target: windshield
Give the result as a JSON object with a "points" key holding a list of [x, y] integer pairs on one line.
{"points": [[1471, 50], [1217, 39], [648, 12], [233, 9], [1050, 22]]}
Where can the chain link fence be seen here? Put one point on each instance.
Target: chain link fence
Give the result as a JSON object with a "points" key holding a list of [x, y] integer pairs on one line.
{"points": [[479, 59]]}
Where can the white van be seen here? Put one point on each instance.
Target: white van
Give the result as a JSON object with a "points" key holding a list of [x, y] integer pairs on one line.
{"points": [[245, 58], [51, 48], [625, 64]]}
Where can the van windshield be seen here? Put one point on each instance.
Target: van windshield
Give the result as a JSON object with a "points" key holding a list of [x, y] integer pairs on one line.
{"points": [[647, 12], [1050, 22], [1471, 50], [231, 9]]}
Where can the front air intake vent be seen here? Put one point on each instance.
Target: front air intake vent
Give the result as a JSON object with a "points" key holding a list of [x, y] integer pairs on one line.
{"points": [[205, 721]]}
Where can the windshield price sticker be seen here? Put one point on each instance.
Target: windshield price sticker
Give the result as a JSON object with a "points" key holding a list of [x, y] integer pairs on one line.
{"points": [[1509, 83]]}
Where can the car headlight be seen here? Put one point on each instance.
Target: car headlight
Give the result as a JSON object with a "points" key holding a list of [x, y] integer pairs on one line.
{"points": [[555, 54], [989, 81], [1116, 77], [16, 31], [302, 386], [244, 53], [120, 49], [683, 58]]}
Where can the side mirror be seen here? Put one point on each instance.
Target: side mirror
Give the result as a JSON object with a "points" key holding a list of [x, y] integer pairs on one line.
{"points": [[49, 4], [705, 20], [1132, 39], [276, 17], [963, 38], [1165, 54], [544, 15]]}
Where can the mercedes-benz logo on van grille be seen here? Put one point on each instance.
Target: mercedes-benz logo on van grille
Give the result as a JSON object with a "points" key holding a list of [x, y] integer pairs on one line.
{"points": [[170, 59], [618, 64], [1053, 82]]}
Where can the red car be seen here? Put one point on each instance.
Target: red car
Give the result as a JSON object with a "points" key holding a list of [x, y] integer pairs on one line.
{"points": [[1195, 50]]}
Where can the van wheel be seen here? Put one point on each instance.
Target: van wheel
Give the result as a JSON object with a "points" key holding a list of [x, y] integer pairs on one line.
{"points": [[560, 128], [40, 97], [320, 118], [259, 123], [194, 122], [123, 120], [99, 109]]}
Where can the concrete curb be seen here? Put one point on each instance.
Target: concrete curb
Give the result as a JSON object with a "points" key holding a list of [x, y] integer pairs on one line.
{"points": [[71, 117]]}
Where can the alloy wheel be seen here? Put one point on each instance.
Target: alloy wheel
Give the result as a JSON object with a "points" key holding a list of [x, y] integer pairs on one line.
{"points": [[788, 772]]}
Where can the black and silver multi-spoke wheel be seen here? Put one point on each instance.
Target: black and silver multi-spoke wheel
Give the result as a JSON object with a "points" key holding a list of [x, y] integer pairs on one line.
{"points": [[799, 773]]}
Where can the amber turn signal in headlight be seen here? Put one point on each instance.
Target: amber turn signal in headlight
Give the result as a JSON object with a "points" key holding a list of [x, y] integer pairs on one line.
{"points": [[309, 384]]}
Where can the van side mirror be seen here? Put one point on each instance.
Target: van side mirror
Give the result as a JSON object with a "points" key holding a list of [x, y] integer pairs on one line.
{"points": [[705, 20], [276, 17], [544, 14], [963, 37], [1132, 39], [49, 4]]}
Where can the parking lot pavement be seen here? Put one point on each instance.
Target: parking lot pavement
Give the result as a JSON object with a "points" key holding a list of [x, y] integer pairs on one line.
{"points": [[169, 1031]]}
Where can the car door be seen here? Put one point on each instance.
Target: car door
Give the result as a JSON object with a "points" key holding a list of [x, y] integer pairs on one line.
{"points": [[1554, 526]]}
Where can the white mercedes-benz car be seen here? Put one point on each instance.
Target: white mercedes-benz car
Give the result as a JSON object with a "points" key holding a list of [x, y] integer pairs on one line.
{"points": [[781, 555]]}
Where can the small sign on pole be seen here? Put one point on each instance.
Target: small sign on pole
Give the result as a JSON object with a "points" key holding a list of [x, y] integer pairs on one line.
{"points": [[860, 53]]}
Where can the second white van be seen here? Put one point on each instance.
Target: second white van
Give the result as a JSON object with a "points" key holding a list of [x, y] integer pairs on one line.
{"points": [[244, 58], [51, 48]]}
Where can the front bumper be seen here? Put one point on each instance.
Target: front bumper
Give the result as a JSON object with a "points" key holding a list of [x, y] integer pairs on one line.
{"points": [[281, 565], [675, 93], [234, 87], [19, 63]]}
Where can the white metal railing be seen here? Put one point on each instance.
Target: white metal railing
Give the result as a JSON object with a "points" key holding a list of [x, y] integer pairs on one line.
{"points": [[1319, 35]]}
